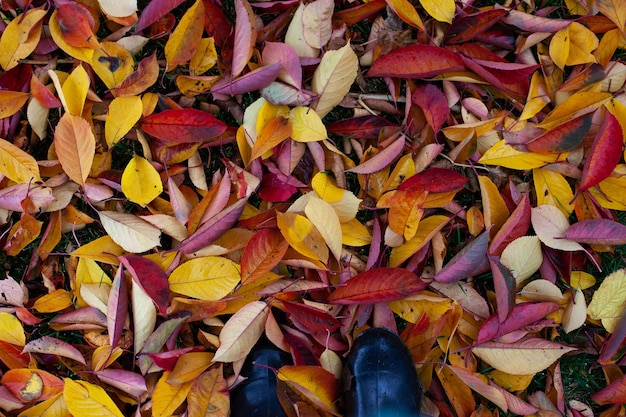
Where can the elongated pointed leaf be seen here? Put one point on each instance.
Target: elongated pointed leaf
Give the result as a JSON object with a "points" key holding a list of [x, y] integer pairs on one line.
{"points": [[241, 332], [416, 61], [53, 346], [470, 261], [183, 126], [262, 253], [75, 145], [605, 153], [150, 277]]}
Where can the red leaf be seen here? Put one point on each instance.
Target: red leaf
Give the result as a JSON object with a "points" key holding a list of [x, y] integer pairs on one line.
{"points": [[470, 261], [505, 285], [467, 27], [516, 226], [274, 190], [315, 320], [433, 103], [358, 13], [522, 315], [77, 25], [215, 22], [155, 10], [416, 61], [167, 360], [43, 95], [262, 253], [117, 308], [364, 127], [378, 285], [614, 393], [183, 125], [562, 138], [604, 154], [151, 278], [435, 180]]}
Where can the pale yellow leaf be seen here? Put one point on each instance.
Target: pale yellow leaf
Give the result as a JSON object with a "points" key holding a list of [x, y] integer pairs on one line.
{"points": [[317, 22], [37, 116], [118, 8], [103, 249], [609, 300], [89, 272], [182, 44], [168, 225], [124, 112], [542, 290], [208, 278], [441, 10], [86, 399], [112, 63], [302, 236], [325, 220], [167, 397], [333, 78], [144, 316], [205, 57], [522, 257], [306, 125], [575, 314], [20, 37], [295, 35], [241, 332], [75, 90], [552, 188], [141, 182], [11, 330], [550, 225], [17, 165], [504, 155], [75, 146], [524, 357], [129, 231]]}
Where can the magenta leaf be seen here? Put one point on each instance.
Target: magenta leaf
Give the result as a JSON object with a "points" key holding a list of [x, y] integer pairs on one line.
{"points": [[117, 308], [470, 261], [151, 278], [522, 315], [254, 80], [53, 346], [597, 232], [130, 382], [382, 159], [155, 10], [505, 285]]}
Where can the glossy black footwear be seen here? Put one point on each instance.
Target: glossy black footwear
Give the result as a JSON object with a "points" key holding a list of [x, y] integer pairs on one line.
{"points": [[380, 378], [256, 396]]}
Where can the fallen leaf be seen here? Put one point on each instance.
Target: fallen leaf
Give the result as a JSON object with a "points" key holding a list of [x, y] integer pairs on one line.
{"points": [[333, 78]]}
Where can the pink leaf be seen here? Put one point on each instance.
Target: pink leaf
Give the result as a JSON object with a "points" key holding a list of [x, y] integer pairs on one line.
{"points": [[291, 71], [254, 80], [382, 159], [151, 278], [53, 346], [245, 36], [522, 315], [504, 284], [127, 381], [117, 308], [155, 10], [470, 261], [597, 232]]}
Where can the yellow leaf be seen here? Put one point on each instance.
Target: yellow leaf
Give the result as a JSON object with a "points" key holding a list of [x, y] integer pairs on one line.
{"points": [[537, 96], [610, 193], [112, 63], [129, 231], [183, 42], [189, 366], [209, 395], [609, 300], [274, 133], [53, 302], [573, 45], [325, 220], [522, 257], [524, 357], [510, 382], [17, 165], [495, 211], [333, 78], [295, 35], [205, 57], [20, 37], [552, 188], [353, 233], [441, 10], [326, 187], [75, 90], [167, 397], [103, 249], [208, 278], [315, 383], [425, 232], [193, 85], [542, 290], [86, 399], [406, 11], [124, 112], [306, 125], [52, 407], [75, 146], [302, 236], [413, 310], [11, 102], [265, 114], [614, 10], [242, 331], [575, 105], [141, 182], [575, 313], [88, 272], [84, 54], [582, 280], [505, 155], [11, 330]]}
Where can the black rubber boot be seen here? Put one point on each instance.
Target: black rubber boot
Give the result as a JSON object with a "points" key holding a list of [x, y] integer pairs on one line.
{"points": [[256, 396], [380, 378]]}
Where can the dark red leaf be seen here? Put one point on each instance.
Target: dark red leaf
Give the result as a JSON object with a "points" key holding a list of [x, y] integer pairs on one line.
{"points": [[313, 319], [433, 103], [155, 10], [435, 180], [522, 315], [467, 27], [274, 190], [364, 127], [151, 278], [562, 138], [216, 23], [515, 226], [358, 13], [505, 286], [183, 125], [378, 285], [416, 61]]}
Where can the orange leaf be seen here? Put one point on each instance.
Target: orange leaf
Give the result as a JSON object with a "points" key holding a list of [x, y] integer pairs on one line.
{"points": [[77, 25], [272, 134], [24, 232], [32, 384], [75, 146], [11, 102], [262, 253], [315, 383]]}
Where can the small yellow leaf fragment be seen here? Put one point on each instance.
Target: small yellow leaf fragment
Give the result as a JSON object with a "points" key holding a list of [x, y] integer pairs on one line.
{"points": [[17, 165], [205, 57], [441, 10], [112, 63], [11, 330], [609, 300], [55, 301], [124, 112], [75, 90], [306, 125], [141, 182], [86, 399]]}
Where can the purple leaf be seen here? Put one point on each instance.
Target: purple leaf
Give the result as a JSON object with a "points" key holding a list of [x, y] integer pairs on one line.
{"points": [[252, 81], [155, 10], [213, 228], [597, 232], [471, 260], [127, 381], [382, 159], [53, 346], [117, 308], [150, 277], [291, 71], [522, 315], [504, 284], [87, 318]]}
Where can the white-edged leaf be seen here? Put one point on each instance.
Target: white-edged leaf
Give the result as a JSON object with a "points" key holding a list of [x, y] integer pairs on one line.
{"points": [[53, 346], [129, 231], [550, 225], [523, 257], [118, 8], [317, 22], [241, 332]]}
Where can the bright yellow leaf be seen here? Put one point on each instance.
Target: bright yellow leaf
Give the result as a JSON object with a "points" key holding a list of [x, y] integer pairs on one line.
{"points": [[205, 57], [11, 330], [326, 187], [609, 300], [189, 366], [582, 280], [55, 301], [573, 45], [141, 182], [302, 236], [425, 232], [124, 112], [306, 125], [75, 90], [406, 11], [353, 233], [17, 165], [441, 10], [167, 397], [103, 249], [552, 188], [537, 96], [86, 399], [20, 37], [510, 382], [505, 155], [317, 384], [182, 44], [326, 221], [208, 278], [610, 193], [112, 63], [54, 406], [495, 211]]}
